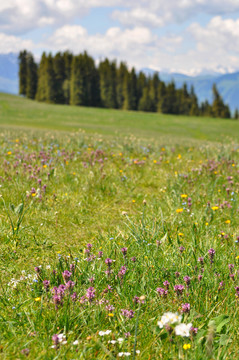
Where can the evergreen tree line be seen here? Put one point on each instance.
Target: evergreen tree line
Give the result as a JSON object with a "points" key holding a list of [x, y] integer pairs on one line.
{"points": [[76, 80]]}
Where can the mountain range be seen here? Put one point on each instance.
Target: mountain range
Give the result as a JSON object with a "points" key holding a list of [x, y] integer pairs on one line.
{"points": [[227, 84]]}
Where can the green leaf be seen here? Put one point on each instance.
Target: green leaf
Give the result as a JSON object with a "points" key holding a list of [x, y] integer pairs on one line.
{"points": [[19, 209], [223, 322], [225, 339]]}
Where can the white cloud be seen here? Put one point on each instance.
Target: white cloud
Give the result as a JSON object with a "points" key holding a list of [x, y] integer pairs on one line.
{"points": [[159, 13], [219, 35], [114, 43], [10, 43], [21, 16]]}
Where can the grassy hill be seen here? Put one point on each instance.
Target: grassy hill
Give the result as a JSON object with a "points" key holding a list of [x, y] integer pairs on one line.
{"points": [[119, 240], [20, 112]]}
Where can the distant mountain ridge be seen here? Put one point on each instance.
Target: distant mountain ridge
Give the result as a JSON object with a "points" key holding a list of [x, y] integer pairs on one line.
{"points": [[227, 84]]}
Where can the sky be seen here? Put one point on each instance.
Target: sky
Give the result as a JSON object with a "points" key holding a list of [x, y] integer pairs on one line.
{"points": [[185, 36]]}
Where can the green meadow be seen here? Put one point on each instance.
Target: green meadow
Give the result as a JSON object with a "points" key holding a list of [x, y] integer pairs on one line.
{"points": [[119, 234]]}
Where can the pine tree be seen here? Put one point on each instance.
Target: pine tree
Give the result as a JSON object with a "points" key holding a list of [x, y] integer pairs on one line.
{"points": [[22, 58], [42, 80], [32, 77], [130, 90], [146, 102], [194, 109], [46, 88], [60, 76], [68, 57], [141, 83], [107, 72], [77, 95], [51, 86], [219, 109], [120, 84]]}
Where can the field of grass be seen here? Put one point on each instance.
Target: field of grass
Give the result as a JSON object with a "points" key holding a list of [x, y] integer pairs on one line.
{"points": [[109, 220]]}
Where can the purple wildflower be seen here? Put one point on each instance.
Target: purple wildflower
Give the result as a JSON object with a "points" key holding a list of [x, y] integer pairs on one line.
{"points": [[181, 249], [124, 251], [108, 261], [166, 284], [37, 269], [46, 284], [137, 300], [179, 289], [162, 292], [90, 293], [72, 267], [109, 308], [187, 280], [194, 330], [66, 275], [127, 313], [211, 253], [231, 267], [122, 271], [74, 297], [70, 284], [201, 260], [185, 308]]}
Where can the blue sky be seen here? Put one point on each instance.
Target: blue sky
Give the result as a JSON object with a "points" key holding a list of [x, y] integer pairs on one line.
{"points": [[187, 36]]}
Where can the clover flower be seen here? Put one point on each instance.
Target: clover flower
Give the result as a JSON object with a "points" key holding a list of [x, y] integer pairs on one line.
{"points": [[169, 318], [183, 330]]}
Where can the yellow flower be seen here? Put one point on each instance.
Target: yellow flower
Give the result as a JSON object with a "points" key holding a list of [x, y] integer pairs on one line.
{"points": [[228, 222], [233, 164], [180, 234], [121, 171], [179, 156], [67, 162], [206, 224], [9, 152], [133, 201], [162, 149], [237, 257], [37, 299], [74, 173], [17, 140], [215, 208], [179, 210], [110, 315], [44, 166], [215, 172], [155, 161], [184, 196], [186, 346], [33, 194]]}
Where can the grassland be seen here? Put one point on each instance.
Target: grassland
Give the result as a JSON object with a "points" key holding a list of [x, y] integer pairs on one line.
{"points": [[109, 220]]}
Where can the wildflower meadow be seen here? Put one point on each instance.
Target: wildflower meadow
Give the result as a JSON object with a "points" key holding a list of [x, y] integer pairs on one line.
{"points": [[117, 246]]}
